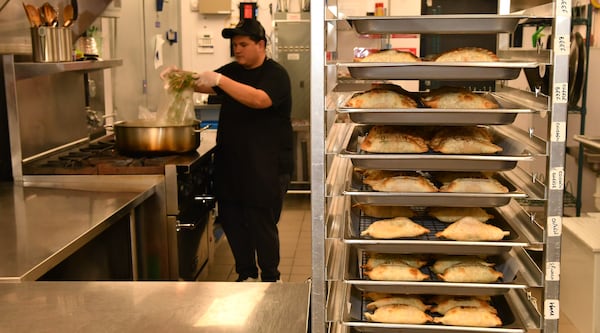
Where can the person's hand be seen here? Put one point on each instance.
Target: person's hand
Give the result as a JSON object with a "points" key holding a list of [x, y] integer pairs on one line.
{"points": [[168, 70], [208, 79]]}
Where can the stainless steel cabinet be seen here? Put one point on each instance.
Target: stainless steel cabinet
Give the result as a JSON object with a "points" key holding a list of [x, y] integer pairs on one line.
{"points": [[532, 296]]}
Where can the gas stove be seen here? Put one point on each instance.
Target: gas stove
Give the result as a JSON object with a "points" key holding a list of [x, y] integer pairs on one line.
{"points": [[100, 157]]}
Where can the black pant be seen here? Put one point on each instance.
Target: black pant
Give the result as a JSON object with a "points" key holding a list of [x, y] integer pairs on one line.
{"points": [[252, 233]]}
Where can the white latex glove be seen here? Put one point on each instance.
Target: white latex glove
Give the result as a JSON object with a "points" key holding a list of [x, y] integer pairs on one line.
{"points": [[208, 79]]}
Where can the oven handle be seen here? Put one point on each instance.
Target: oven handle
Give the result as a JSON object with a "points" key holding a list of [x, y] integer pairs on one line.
{"points": [[205, 198]]}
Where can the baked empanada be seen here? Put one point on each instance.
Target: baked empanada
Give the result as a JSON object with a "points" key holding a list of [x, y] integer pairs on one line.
{"points": [[378, 98], [395, 272], [376, 259], [451, 303], [389, 55], [394, 228], [470, 229], [375, 295], [393, 139], [456, 98], [453, 214], [470, 273], [411, 300], [441, 264], [402, 184], [464, 140], [467, 54], [474, 185], [387, 211], [398, 314], [469, 316]]}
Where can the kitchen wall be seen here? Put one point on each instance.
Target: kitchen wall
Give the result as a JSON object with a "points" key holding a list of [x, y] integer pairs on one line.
{"points": [[195, 24]]}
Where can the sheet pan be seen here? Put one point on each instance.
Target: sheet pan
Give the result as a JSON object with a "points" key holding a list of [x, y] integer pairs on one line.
{"points": [[505, 263], [363, 194], [505, 114], [353, 316], [469, 71], [356, 222], [437, 24], [513, 152]]}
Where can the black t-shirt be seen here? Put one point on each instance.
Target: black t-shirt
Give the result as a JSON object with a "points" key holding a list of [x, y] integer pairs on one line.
{"points": [[254, 146]]}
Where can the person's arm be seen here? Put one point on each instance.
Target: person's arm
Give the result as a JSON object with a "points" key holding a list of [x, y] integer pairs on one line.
{"points": [[245, 94]]}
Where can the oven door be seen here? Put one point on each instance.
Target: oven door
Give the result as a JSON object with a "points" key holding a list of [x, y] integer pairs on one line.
{"points": [[192, 229]]}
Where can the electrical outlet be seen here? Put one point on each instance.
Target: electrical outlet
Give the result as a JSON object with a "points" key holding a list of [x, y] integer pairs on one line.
{"points": [[194, 5]]}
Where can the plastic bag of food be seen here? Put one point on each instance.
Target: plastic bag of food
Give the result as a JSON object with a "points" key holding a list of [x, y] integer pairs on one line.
{"points": [[177, 105]]}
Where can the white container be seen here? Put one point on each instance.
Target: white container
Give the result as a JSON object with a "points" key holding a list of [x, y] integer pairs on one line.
{"points": [[580, 272]]}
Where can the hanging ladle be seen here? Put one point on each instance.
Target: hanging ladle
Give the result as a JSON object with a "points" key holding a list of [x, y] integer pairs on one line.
{"points": [[32, 15], [68, 14], [49, 15]]}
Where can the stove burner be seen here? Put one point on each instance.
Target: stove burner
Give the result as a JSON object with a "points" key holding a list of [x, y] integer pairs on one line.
{"points": [[101, 158]]}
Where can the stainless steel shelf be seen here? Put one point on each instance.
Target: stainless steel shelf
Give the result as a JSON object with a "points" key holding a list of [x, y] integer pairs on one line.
{"points": [[25, 70]]}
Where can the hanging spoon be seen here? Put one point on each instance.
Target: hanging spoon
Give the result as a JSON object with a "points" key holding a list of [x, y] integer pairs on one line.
{"points": [[68, 16]]}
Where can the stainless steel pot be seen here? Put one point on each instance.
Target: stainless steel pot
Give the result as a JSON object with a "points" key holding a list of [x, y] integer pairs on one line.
{"points": [[140, 137]]}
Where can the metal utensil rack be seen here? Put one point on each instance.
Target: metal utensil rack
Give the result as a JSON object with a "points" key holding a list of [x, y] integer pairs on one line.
{"points": [[329, 297]]}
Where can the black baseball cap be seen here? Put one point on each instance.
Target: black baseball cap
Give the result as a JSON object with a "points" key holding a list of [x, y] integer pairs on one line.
{"points": [[246, 27]]}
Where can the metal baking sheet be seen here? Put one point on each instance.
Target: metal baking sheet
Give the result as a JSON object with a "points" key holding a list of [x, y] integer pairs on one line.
{"points": [[468, 71], [512, 153], [356, 222], [436, 24], [505, 114], [353, 316], [363, 194], [505, 263]]}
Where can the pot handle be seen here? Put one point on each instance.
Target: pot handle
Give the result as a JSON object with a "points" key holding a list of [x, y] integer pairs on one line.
{"points": [[202, 129]]}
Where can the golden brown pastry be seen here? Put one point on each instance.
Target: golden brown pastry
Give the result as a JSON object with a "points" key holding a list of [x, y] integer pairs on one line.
{"points": [[465, 301], [378, 98], [411, 300], [387, 211], [474, 185], [389, 55], [437, 299], [394, 228], [467, 54], [470, 229], [393, 139], [376, 259], [464, 140], [453, 214], [402, 184], [470, 273], [374, 174], [395, 272], [456, 98], [398, 314], [375, 295], [469, 316], [441, 264]]}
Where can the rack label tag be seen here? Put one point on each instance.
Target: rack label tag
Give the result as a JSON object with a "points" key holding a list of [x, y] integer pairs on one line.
{"points": [[560, 93], [551, 309], [561, 44], [557, 178], [563, 8], [558, 132], [554, 226], [552, 271]]}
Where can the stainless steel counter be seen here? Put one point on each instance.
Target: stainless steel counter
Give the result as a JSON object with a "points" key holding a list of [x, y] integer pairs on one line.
{"points": [[154, 307], [42, 223], [45, 219]]}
